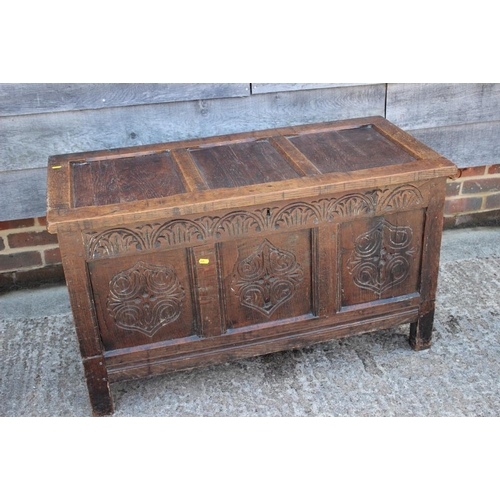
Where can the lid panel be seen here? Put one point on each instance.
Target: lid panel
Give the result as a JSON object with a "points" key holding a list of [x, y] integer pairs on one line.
{"points": [[242, 164], [125, 179], [351, 149]]}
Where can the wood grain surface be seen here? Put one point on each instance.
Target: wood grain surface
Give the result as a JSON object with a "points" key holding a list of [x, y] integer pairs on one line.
{"points": [[430, 105], [263, 88], [30, 140], [33, 98], [465, 145]]}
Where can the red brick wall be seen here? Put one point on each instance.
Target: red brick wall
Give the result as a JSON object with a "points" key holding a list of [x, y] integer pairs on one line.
{"points": [[474, 198], [29, 255]]}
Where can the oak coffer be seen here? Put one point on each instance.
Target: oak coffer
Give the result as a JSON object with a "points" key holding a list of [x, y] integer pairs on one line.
{"points": [[184, 254]]}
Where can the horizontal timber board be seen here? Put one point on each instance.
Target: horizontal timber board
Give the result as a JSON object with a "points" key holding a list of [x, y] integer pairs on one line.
{"points": [[465, 145], [29, 140], [429, 105], [31, 98], [23, 194], [264, 88]]}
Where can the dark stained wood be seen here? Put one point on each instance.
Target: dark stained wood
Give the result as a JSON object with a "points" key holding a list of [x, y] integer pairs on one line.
{"points": [[142, 301], [201, 199], [80, 293], [326, 280], [431, 244], [242, 164], [261, 252], [348, 150], [267, 279], [298, 161], [192, 178], [124, 180], [96, 376], [207, 290], [262, 332], [381, 257], [229, 352], [421, 330]]}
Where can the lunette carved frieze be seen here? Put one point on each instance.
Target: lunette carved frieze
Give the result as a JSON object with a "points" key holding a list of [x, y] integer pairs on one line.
{"points": [[238, 223]]}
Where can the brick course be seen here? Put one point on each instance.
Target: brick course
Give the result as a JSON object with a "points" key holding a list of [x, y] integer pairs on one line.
{"points": [[481, 185], [14, 224], [19, 260], [473, 198], [31, 239], [29, 255]]}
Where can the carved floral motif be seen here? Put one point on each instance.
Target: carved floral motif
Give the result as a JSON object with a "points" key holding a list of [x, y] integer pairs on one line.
{"points": [[267, 278], [244, 222], [144, 298], [380, 259]]}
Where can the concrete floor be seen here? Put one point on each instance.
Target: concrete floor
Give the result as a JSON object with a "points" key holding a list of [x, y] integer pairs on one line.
{"points": [[371, 375]]}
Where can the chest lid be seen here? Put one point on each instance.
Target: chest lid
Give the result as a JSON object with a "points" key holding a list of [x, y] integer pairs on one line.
{"points": [[164, 180]]}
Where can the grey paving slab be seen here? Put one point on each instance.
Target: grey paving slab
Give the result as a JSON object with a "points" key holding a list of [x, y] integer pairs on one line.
{"points": [[370, 375]]}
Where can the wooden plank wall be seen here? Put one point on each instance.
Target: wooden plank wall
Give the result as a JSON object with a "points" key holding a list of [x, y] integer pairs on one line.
{"points": [[461, 121]]}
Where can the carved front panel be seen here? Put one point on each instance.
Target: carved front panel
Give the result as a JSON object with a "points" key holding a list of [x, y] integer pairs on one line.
{"points": [[381, 257], [144, 298], [143, 301], [266, 279]]}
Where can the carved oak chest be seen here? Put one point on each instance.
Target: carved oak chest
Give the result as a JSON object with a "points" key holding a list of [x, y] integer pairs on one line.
{"points": [[184, 254]]}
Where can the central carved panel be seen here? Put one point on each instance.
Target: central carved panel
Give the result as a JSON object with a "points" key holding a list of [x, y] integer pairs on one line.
{"points": [[381, 257], [145, 297], [267, 278]]}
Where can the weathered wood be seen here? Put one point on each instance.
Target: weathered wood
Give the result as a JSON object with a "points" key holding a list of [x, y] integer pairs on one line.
{"points": [[31, 98], [29, 140], [414, 106], [272, 254], [263, 88], [23, 194], [465, 145]]}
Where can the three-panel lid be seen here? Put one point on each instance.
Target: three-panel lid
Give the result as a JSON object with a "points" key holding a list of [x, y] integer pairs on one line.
{"points": [[103, 188]]}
